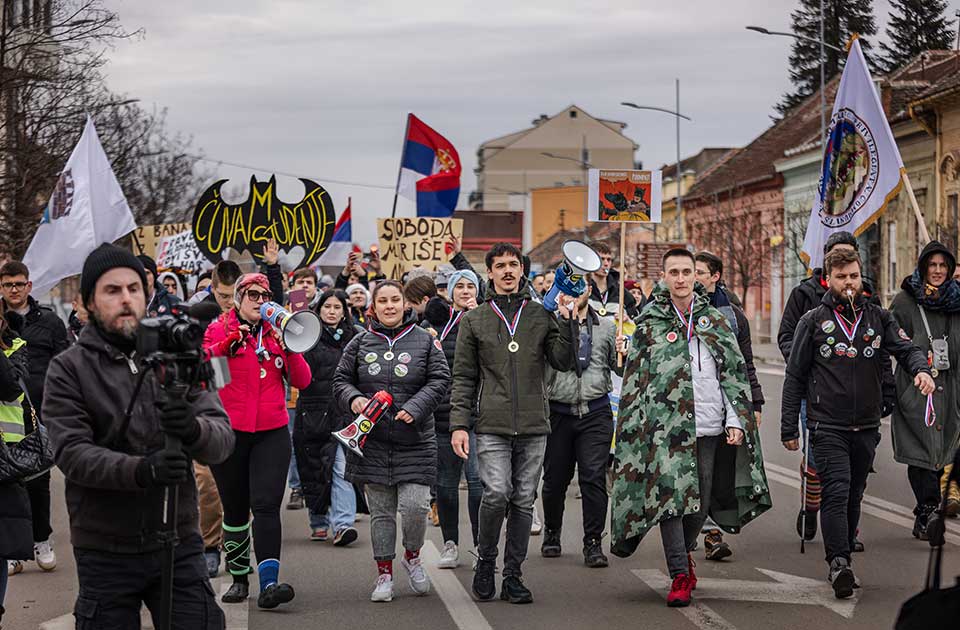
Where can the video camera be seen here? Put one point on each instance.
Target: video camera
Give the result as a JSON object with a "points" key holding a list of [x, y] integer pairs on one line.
{"points": [[174, 344]]}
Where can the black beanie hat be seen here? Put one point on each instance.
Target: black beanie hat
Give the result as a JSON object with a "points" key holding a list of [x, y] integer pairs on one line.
{"points": [[103, 259], [148, 264]]}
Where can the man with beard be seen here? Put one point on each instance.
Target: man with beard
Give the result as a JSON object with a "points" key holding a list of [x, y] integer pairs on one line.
{"points": [[804, 297], [115, 466], [835, 365], [928, 308]]}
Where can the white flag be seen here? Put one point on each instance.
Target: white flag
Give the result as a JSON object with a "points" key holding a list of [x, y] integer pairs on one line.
{"points": [[861, 163], [87, 208]]}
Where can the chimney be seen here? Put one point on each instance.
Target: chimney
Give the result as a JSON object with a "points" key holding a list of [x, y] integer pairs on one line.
{"points": [[539, 121]]}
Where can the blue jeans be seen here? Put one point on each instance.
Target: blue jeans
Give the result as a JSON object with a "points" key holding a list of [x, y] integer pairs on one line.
{"points": [[343, 500], [293, 475], [449, 467]]}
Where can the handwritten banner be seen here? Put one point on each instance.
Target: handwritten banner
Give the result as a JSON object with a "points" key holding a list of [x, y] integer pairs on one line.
{"points": [[180, 252], [150, 235], [409, 243], [303, 229]]}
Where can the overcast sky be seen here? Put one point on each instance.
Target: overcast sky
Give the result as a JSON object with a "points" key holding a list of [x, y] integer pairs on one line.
{"points": [[322, 89]]}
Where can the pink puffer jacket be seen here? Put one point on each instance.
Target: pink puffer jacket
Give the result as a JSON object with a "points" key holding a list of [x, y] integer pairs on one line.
{"points": [[255, 399]]}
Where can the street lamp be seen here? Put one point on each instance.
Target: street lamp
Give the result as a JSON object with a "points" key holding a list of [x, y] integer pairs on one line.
{"points": [[677, 115]]}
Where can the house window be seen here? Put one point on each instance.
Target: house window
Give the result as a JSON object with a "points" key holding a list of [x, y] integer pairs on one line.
{"points": [[573, 113]]}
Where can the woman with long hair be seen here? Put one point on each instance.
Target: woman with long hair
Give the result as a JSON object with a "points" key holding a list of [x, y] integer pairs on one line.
{"points": [[444, 320], [321, 459], [399, 462], [254, 477]]}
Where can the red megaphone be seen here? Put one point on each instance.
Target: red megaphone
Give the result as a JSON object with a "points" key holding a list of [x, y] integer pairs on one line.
{"points": [[355, 434]]}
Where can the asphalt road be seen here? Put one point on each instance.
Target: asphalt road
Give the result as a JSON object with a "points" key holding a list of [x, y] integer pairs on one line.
{"points": [[767, 584]]}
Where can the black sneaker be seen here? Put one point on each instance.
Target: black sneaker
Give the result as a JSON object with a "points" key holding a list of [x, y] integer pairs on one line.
{"points": [[237, 593], [296, 500], [920, 522], [484, 587], [716, 549], [274, 595], [551, 544], [593, 554], [841, 578], [807, 529], [514, 591]]}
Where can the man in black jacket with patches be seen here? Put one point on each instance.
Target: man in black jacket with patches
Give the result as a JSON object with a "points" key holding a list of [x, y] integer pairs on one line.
{"points": [[835, 365]]}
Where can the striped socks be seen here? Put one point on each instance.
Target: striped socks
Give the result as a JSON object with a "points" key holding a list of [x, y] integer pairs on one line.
{"points": [[811, 501]]}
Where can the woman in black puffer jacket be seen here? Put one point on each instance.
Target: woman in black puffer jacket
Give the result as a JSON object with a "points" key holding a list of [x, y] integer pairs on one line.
{"points": [[321, 460], [399, 462]]}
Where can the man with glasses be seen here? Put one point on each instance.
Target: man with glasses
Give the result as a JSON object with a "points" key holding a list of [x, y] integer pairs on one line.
{"points": [[46, 337]]}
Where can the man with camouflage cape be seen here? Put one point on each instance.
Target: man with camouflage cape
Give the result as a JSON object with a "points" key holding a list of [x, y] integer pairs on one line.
{"points": [[687, 443]]}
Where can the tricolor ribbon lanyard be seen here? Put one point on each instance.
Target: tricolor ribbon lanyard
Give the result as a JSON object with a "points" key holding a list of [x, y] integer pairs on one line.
{"points": [[603, 303], [513, 346], [850, 332], [929, 414], [686, 321], [455, 317], [388, 355]]}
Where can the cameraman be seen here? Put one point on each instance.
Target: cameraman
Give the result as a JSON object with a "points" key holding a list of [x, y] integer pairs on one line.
{"points": [[116, 472]]}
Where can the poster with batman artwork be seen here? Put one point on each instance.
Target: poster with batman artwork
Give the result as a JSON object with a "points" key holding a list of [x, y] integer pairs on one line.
{"points": [[303, 229]]}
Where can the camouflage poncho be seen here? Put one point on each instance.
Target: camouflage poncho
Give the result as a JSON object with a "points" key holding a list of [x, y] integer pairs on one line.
{"points": [[655, 473]]}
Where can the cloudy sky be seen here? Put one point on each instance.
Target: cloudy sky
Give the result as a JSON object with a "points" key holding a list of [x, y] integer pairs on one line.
{"points": [[322, 88]]}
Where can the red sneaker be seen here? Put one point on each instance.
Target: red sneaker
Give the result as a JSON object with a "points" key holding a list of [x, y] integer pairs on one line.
{"points": [[693, 576], [680, 592]]}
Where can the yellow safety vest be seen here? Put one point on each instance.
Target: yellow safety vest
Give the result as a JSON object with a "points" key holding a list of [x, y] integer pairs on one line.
{"points": [[11, 413]]}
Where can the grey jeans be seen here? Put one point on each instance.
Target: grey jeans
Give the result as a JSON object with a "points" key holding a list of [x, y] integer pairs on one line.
{"points": [[679, 534], [412, 500], [510, 469]]}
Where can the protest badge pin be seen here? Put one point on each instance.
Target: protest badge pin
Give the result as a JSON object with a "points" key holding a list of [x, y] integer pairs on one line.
{"points": [[401, 370], [263, 373], [868, 352], [876, 343], [279, 363], [840, 349], [825, 351], [404, 357], [704, 322], [370, 357], [671, 336], [870, 331], [828, 326], [373, 369], [831, 340]]}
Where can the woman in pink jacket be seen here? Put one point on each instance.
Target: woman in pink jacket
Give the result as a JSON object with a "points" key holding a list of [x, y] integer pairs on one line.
{"points": [[254, 477]]}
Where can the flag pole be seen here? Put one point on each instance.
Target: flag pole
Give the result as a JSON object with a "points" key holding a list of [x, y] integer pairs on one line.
{"points": [[620, 316], [921, 223], [396, 190]]}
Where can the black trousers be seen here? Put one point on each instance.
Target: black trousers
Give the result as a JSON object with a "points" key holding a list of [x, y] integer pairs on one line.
{"points": [[843, 460], [583, 442], [114, 585], [925, 485], [253, 479], [39, 491]]}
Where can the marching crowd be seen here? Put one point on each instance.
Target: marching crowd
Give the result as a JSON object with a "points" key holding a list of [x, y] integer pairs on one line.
{"points": [[660, 423]]}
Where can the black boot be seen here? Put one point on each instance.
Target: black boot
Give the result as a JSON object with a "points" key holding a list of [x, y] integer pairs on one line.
{"points": [[923, 513], [484, 587], [807, 528], [238, 592], [514, 591], [274, 595], [551, 544], [593, 554]]}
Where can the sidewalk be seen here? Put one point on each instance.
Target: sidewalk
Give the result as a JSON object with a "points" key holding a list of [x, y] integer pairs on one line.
{"points": [[768, 353]]}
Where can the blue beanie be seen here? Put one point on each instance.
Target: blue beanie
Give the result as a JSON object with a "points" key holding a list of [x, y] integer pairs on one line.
{"points": [[462, 274]]}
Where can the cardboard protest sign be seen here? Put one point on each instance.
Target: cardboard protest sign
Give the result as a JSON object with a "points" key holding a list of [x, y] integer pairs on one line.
{"points": [[303, 229], [149, 235], [180, 252], [408, 243], [624, 195]]}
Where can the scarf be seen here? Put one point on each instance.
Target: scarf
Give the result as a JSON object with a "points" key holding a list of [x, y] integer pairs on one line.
{"points": [[945, 298]]}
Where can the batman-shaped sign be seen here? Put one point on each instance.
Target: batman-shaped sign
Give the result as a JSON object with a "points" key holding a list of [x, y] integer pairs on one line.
{"points": [[307, 224]]}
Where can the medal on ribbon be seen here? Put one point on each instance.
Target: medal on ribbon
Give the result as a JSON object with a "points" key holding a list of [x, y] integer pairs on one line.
{"points": [[455, 317], [513, 346], [388, 355], [686, 322], [849, 331]]}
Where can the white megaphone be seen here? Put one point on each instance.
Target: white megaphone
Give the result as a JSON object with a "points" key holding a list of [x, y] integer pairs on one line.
{"points": [[579, 259], [300, 330]]}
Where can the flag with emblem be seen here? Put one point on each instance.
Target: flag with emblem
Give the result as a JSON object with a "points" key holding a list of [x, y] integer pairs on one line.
{"points": [[861, 168], [87, 208], [429, 171]]}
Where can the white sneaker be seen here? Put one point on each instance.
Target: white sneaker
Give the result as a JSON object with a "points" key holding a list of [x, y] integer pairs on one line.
{"points": [[383, 591], [44, 555], [419, 581], [14, 567], [450, 556], [537, 525]]}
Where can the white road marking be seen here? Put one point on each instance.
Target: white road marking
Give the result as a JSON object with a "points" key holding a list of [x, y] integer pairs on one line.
{"points": [[699, 614], [771, 371], [871, 505], [464, 611]]}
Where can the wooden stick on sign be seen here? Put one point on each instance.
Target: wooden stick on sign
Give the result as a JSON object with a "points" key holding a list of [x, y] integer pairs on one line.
{"points": [[921, 223], [620, 316]]}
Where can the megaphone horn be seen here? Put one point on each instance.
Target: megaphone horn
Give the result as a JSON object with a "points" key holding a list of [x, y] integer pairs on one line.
{"points": [[355, 434], [579, 259], [300, 330]]}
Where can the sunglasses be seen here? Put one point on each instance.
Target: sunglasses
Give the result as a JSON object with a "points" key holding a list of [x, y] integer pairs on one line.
{"points": [[257, 296]]}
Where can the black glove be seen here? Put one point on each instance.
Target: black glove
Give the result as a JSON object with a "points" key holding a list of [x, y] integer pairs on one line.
{"points": [[887, 407], [163, 468], [177, 418]]}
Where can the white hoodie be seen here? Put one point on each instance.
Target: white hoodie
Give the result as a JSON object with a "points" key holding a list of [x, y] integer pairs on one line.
{"points": [[710, 405]]}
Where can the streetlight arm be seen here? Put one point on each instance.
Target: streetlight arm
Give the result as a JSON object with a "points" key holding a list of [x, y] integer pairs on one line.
{"points": [[764, 31], [657, 109]]}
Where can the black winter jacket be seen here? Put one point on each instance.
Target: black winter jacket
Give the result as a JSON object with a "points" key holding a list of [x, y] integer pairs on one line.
{"points": [[88, 389], [46, 337], [842, 392], [436, 317], [318, 415], [417, 377], [16, 531]]}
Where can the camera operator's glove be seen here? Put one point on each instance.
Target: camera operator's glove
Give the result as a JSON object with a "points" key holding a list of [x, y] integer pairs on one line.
{"points": [[163, 468], [177, 418], [887, 407]]}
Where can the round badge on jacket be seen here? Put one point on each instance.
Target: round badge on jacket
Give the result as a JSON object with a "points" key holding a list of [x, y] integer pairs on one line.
{"points": [[370, 357], [828, 326], [373, 369], [825, 351], [404, 357], [704, 322], [868, 352], [401, 370], [671, 336]]}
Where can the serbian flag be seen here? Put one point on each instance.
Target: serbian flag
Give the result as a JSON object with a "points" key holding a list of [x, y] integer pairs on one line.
{"points": [[340, 247], [429, 171]]}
